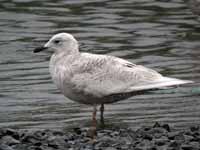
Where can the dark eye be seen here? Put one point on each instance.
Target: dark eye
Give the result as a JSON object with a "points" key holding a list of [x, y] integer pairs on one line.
{"points": [[57, 41]]}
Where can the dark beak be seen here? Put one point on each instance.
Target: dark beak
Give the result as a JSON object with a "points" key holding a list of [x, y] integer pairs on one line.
{"points": [[39, 49]]}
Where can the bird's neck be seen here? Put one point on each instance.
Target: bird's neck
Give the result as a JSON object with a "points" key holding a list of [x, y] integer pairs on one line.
{"points": [[63, 56]]}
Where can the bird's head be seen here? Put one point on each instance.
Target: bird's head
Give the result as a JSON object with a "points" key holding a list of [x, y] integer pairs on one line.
{"points": [[59, 43]]}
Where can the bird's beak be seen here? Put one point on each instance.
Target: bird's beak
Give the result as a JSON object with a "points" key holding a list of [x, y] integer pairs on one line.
{"points": [[39, 49]]}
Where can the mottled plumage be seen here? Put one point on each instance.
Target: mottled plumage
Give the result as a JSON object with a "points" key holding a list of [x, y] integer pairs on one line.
{"points": [[98, 79], [89, 78]]}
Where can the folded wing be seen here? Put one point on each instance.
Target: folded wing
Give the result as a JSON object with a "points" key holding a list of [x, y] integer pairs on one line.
{"points": [[105, 75]]}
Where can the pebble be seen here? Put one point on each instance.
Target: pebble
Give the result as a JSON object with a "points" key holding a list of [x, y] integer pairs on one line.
{"points": [[156, 137], [161, 141], [9, 140], [110, 148]]}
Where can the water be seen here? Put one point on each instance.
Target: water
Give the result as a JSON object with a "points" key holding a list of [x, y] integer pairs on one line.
{"points": [[163, 35]]}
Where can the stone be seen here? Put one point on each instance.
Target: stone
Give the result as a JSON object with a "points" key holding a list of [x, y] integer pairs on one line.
{"points": [[194, 128], [195, 144], [174, 144], [11, 132], [77, 131], [187, 147], [115, 133], [171, 135], [180, 138], [148, 137], [145, 144], [156, 125], [5, 147], [9, 140], [159, 137], [188, 138], [162, 141], [166, 127], [110, 148]]}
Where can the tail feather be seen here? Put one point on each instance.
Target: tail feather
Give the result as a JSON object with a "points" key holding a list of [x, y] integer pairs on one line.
{"points": [[160, 83]]}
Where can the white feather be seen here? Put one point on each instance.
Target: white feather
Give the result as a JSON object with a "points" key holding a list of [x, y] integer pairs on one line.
{"points": [[89, 78], [160, 83]]}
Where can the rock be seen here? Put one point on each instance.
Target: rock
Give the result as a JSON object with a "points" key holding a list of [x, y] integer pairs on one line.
{"points": [[138, 148], [148, 137], [57, 142], [38, 144], [105, 141], [180, 138], [33, 137], [20, 147], [188, 138], [158, 137], [153, 148], [58, 133], [157, 132], [144, 144], [110, 148], [77, 131], [187, 147], [5, 147], [195, 145], [166, 127], [174, 145], [41, 135], [156, 125], [9, 140], [172, 135], [11, 132], [29, 139], [162, 141], [194, 128], [115, 133]]}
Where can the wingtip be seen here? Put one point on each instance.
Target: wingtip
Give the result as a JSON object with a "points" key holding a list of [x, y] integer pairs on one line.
{"points": [[180, 81], [164, 82], [187, 81]]}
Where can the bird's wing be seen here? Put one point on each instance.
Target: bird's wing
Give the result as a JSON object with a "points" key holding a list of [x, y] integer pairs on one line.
{"points": [[105, 75]]}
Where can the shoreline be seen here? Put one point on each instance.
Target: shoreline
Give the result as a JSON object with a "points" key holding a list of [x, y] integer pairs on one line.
{"points": [[155, 137]]}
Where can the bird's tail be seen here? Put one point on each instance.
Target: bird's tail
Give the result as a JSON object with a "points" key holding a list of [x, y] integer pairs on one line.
{"points": [[159, 84]]}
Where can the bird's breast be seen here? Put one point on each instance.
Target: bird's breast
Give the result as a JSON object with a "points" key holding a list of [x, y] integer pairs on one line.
{"points": [[60, 74]]}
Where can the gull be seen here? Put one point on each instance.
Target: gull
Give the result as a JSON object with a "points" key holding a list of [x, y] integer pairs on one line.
{"points": [[95, 79]]}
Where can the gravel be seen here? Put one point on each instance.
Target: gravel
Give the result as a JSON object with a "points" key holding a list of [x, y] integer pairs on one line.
{"points": [[156, 137]]}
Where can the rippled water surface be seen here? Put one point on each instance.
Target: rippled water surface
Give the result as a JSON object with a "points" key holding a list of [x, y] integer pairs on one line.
{"points": [[161, 34]]}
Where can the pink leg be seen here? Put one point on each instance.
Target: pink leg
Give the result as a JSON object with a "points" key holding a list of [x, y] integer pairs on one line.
{"points": [[94, 121]]}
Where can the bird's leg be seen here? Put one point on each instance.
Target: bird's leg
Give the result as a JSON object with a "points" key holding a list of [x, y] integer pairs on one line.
{"points": [[101, 115], [94, 121]]}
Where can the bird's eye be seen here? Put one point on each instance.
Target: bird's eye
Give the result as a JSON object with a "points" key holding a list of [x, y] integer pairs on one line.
{"points": [[57, 41]]}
